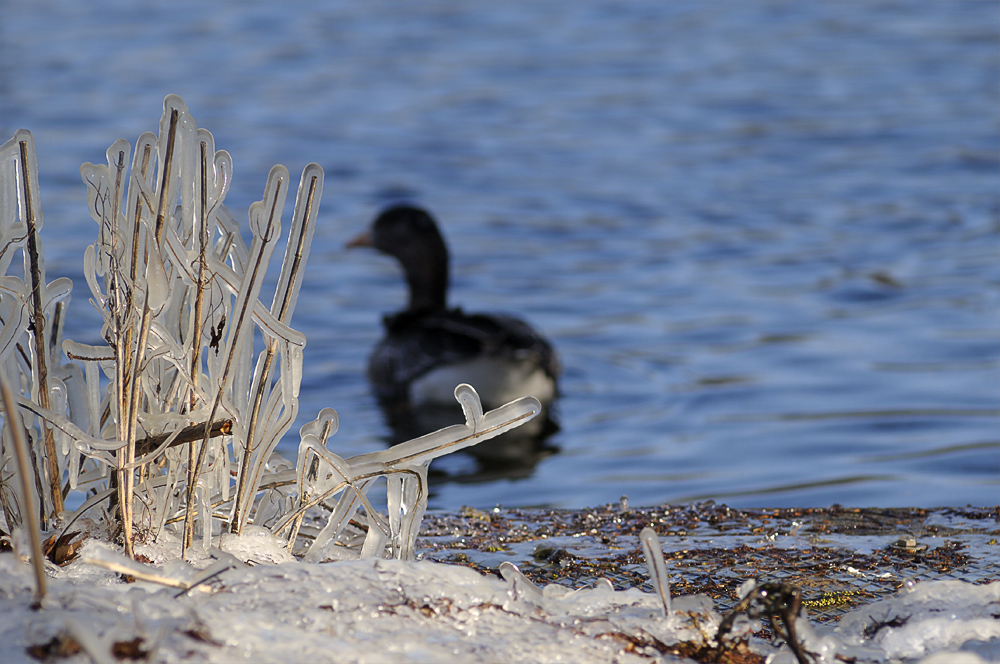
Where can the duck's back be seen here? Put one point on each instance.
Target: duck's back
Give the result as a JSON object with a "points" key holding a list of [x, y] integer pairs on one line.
{"points": [[424, 355]]}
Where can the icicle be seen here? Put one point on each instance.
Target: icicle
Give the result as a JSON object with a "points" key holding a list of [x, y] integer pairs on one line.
{"points": [[656, 565], [394, 500], [16, 320], [375, 542], [348, 504], [520, 587], [201, 496], [412, 508], [299, 241], [157, 285]]}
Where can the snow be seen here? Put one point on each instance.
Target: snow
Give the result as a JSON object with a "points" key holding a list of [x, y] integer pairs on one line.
{"points": [[278, 609]]}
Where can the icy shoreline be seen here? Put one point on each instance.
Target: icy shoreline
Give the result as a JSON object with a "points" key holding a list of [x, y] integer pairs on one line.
{"points": [[379, 610]]}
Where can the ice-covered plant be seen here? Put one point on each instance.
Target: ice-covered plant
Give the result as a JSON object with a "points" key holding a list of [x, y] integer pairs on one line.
{"points": [[176, 417], [178, 290], [32, 311]]}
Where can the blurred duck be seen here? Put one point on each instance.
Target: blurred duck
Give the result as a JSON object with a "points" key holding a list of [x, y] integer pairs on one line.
{"points": [[428, 348]]}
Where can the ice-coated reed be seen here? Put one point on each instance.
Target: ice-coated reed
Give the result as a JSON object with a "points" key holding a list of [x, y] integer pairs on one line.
{"points": [[172, 422], [656, 565]]}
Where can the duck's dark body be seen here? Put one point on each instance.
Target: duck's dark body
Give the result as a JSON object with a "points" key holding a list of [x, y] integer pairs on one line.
{"points": [[425, 352], [428, 348]]}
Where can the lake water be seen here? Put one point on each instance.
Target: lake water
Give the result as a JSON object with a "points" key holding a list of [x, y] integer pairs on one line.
{"points": [[763, 236]]}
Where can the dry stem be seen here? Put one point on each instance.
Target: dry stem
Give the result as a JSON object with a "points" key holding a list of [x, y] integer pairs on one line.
{"points": [[127, 485], [199, 300], [240, 323], [188, 434], [38, 323], [13, 420], [242, 511]]}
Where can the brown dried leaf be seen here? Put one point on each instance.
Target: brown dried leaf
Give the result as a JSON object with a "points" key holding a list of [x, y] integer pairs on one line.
{"points": [[59, 647], [129, 649], [64, 549]]}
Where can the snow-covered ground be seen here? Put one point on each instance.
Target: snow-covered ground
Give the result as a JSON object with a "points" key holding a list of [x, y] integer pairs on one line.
{"points": [[259, 604]]}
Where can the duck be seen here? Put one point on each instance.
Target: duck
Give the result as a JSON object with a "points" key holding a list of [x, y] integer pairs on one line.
{"points": [[429, 348]]}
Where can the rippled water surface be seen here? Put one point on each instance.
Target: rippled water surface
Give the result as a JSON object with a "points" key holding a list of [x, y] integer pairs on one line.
{"points": [[762, 235]]}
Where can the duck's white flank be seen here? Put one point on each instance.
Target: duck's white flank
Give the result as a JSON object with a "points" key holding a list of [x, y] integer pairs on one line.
{"points": [[496, 379]]}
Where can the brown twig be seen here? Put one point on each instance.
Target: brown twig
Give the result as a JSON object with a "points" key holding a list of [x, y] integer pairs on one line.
{"points": [[38, 332], [294, 255], [126, 343], [127, 484], [13, 419], [116, 286], [199, 299], [240, 321], [188, 434]]}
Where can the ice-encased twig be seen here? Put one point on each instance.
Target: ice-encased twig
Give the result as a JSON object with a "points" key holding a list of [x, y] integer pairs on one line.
{"points": [[197, 288], [405, 468], [521, 587], [213, 184], [157, 292], [265, 223], [30, 307], [656, 565], [14, 432], [101, 556], [297, 251], [478, 427], [149, 367], [34, 265], [179, 291]]}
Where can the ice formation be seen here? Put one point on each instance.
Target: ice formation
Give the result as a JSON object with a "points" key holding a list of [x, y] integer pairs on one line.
{"points": [[172, 424], [255, 602], [169, 429]]}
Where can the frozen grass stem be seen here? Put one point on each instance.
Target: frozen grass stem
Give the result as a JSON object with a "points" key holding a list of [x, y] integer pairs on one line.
{"points": [[192, 357], [656, 565]]}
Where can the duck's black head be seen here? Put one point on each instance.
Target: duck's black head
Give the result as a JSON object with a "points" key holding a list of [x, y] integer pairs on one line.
{"points": [[411, 235]]}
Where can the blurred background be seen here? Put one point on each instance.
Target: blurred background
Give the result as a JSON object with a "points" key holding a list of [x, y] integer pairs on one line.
{"points": [[763, 236]]}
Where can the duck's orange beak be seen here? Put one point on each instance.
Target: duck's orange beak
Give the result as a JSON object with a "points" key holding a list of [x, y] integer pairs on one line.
{"points": [[363, 240]]}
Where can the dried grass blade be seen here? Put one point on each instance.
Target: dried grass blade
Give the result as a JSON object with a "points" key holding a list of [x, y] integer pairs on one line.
{"points": [[29, 180], [13, 421]]}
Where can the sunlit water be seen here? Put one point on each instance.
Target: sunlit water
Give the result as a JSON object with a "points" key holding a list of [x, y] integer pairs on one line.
{"points": [[763, 236]]}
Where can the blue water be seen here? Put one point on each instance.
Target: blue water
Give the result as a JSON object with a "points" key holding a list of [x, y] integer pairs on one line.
{"points": [[762, 235]]}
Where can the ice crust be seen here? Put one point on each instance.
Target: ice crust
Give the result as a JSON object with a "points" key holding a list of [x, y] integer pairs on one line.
{"points": [[372, 610], [931, 617], [379, 610]]}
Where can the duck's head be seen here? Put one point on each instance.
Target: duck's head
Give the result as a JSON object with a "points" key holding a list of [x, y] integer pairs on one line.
{"points": [[411, 235]]}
